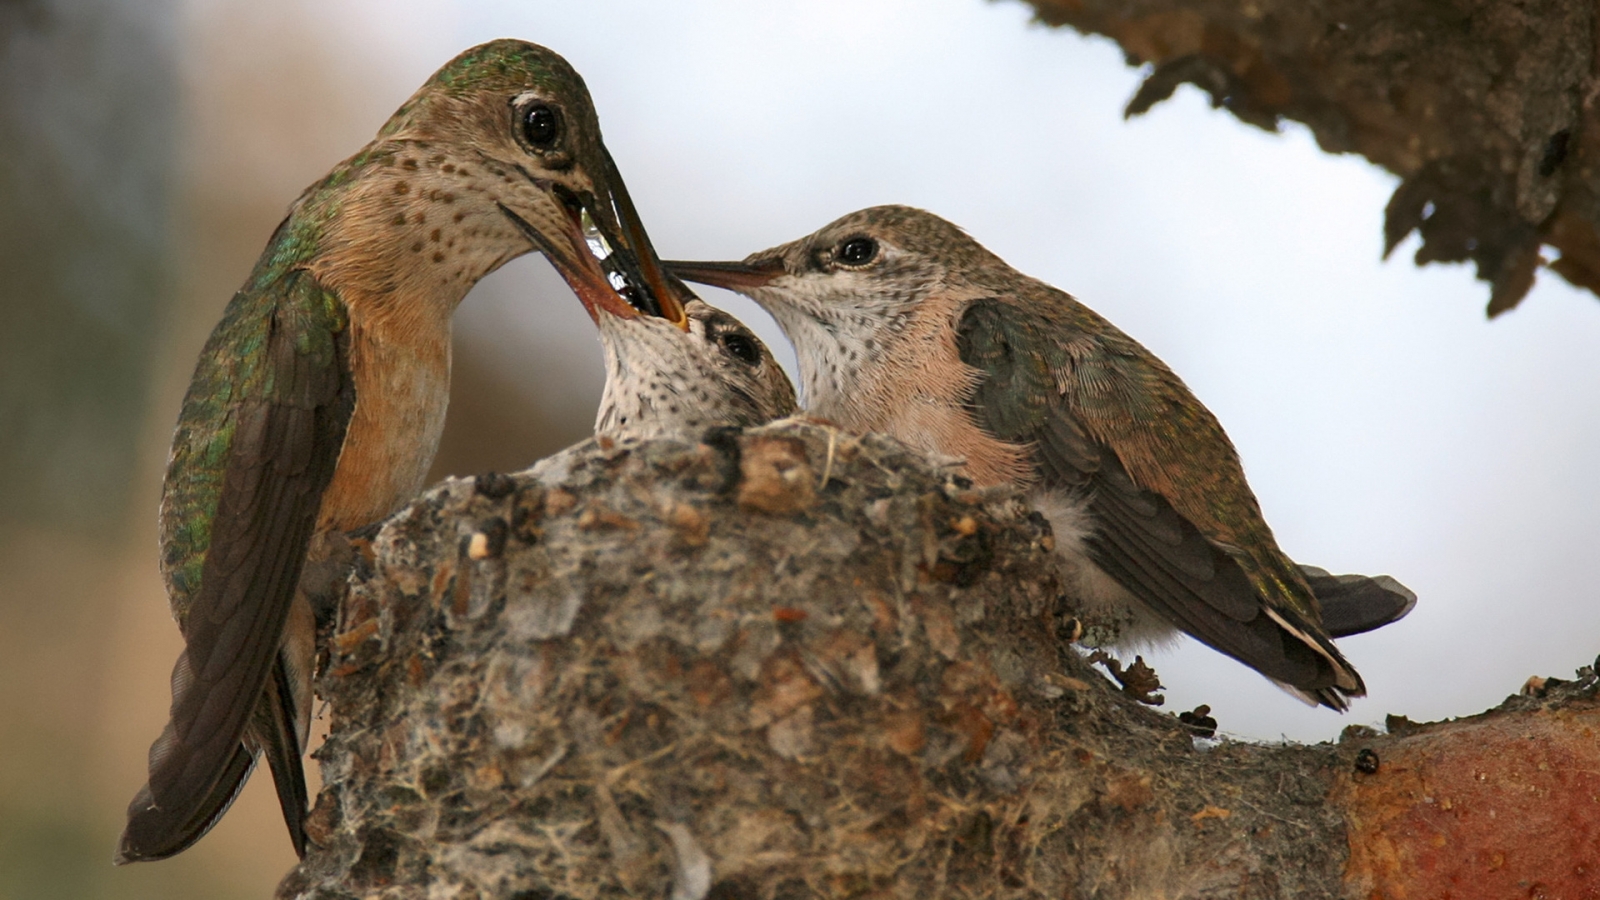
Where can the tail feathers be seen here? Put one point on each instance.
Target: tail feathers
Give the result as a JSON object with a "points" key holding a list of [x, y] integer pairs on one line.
{"points": [[1353, 604], [1339, 682], [157, 831], [279, 736], [193, 780], [1329, 697]]}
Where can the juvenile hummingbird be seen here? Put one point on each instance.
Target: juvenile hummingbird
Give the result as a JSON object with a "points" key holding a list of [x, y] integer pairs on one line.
{"points": [[317, 403], [903, 324], [665, 382]]}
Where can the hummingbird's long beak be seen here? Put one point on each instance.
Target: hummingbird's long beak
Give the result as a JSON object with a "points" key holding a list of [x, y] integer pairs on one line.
{"points": [[599, 264], [568, 250], [734, 276], [669, 294]]}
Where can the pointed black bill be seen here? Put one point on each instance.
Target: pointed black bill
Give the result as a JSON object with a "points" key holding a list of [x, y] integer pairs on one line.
{"points": [[733, 276], [591, 246], [663, 295]]}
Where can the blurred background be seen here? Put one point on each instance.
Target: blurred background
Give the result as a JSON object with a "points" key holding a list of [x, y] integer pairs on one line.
{"points": [[148, 147]]}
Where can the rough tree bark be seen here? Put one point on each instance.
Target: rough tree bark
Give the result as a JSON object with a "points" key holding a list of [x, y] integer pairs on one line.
{"points": [[1485, 108], [790, 663]]}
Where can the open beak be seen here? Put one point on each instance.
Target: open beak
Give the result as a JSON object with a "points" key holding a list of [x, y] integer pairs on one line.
{"points": [[668, 293], [734, 276], [603, 253]]}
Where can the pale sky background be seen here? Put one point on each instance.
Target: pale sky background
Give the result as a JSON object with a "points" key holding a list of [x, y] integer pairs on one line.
{"points": [[1385, 425]]}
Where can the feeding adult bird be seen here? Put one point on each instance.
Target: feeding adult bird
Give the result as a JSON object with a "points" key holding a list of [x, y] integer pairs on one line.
{"points": [[318, 401], [662, 381], [903, 324]]}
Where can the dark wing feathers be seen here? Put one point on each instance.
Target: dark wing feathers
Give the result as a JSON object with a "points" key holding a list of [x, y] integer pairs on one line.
{"points": [[204, 814], [1140, 539], [1013, 392], [1257, 642], [1070, 458], [289, 429]]}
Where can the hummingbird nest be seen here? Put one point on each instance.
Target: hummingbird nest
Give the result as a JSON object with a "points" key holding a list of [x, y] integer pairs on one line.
{"points": [[779, 663]]}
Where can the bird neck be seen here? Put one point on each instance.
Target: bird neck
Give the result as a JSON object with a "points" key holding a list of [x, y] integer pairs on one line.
{"points": [[396, 235], [838, 349], [655, 387], [900, 373], [830, 360], [841, 356], [400, 240]]}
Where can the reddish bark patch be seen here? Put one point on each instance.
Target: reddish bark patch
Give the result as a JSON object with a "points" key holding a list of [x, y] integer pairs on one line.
{"points": [[1492, 807]]}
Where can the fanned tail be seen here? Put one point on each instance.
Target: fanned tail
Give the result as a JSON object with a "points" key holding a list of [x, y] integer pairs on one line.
{"points": [[1354, 604]]}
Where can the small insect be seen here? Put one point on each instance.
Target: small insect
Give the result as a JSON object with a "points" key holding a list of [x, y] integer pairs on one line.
{"points": [[1367, 761]]}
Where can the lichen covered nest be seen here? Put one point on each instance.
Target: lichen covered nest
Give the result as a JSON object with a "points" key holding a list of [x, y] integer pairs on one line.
{"points": [[779, 663]]}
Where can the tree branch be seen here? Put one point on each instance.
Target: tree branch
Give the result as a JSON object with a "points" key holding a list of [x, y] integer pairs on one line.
{"points": [[1486, 110]]}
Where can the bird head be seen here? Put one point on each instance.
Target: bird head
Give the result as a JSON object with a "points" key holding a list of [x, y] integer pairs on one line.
{"points": [[663, 381], [864, 270], [846, 293], [499, 153]]}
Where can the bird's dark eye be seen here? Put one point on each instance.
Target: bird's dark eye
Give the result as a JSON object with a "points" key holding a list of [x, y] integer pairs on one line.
{"points": [[541, 125], [857, 251], [741, 346]]}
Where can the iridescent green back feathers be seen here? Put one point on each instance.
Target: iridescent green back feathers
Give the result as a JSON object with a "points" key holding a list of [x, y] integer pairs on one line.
{"points": [[235, 366]]}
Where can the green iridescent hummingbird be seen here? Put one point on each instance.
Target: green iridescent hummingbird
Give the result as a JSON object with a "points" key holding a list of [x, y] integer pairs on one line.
{"points": [[317, 403], [903, 324]]}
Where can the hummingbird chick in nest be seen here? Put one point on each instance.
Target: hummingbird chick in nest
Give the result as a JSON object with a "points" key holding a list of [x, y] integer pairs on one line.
{"points": [[905, 325], [663, 380]]}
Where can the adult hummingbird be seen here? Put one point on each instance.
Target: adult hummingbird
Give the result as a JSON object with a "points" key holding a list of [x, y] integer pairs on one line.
{"points": [[903, 324], [317, 403]]}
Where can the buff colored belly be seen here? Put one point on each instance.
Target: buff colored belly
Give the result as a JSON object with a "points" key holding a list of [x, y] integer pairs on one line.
{"points": [[936, 428], [402, 391]]}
